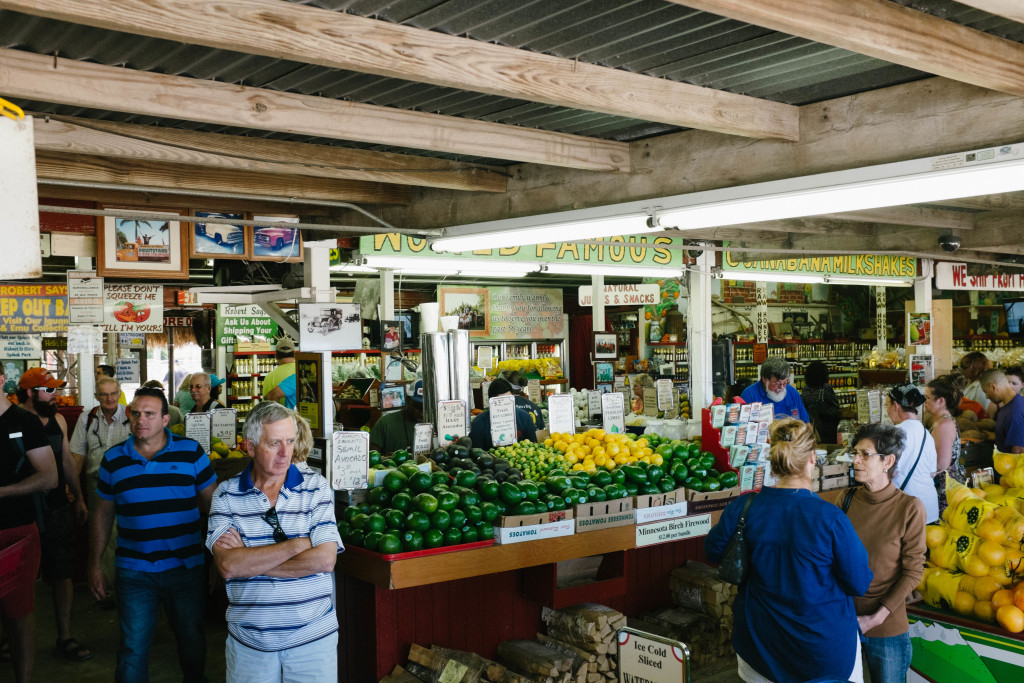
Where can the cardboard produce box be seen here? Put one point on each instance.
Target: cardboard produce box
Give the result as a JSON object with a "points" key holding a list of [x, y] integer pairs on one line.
{"points": [[596, 515], [654, 500], [712, 502], [546, 517], [534, 532]]}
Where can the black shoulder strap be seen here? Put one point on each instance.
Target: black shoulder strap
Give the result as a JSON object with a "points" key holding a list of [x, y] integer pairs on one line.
{"points": [[743, 514], [906, 481], [848, 498]]}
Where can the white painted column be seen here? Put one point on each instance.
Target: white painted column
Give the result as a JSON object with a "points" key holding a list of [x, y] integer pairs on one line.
{"points": [[86, 361], [923, 296], [597, 297], [316, 271], [387, 294], [698, 342]]}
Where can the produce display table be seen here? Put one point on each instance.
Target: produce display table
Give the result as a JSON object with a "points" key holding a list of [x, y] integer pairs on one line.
{"points": [[473, 600], [1001, 653]]}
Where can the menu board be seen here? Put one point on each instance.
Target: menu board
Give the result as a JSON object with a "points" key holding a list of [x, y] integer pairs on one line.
{"points": [[451, 421], [198, 427], [561, 414], [503, 420], [350, 460], [613, 413]]}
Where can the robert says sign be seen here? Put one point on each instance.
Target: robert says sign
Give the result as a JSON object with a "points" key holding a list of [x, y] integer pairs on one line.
{"points": [[622, 295], [954, 276]]}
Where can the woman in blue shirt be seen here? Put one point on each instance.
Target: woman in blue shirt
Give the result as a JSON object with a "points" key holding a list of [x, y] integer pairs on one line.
{"points": [[793, 617]]}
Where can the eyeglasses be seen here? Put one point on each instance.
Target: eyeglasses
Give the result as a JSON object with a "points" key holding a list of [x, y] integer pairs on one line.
{"points": [[198, 386], [864, 455], [270, 517], [778, 382], [108, 395], [45, 390]]}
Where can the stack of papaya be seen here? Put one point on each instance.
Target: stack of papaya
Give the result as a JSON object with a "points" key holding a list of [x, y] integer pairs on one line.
{"points": [[976, 567]]}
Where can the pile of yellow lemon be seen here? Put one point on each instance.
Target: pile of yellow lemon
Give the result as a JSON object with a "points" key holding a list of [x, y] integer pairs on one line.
{"points": [[595, 448], [545, 367]]}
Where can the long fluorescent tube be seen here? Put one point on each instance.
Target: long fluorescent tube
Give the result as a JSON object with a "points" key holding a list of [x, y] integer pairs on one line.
{"points": [[807, 278], [965, 174], [614, 271], [450, 265], [756, 276], [512, 232]]}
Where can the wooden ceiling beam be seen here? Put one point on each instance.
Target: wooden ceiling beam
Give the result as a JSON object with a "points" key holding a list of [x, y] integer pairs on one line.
{"points": [[233, 152], [909, 215], [136, 199], [286, 30], [185, 178], [1011, 9], [68, 81], [1007, 201], [888, 31]]}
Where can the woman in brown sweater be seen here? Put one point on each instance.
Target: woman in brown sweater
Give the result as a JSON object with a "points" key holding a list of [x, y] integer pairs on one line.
{"points": [[890, 524]]}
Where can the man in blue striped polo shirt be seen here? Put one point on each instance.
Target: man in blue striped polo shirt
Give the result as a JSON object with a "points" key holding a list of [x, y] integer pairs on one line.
{"points": [[158, 485], [274, 540]]}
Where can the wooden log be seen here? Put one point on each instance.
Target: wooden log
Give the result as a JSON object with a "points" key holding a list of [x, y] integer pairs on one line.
{"points": [[567, 648], [529, 657], [400, 675], [421, 656]]}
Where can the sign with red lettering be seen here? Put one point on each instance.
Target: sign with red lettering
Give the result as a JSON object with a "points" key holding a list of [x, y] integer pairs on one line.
{"points": [[133, 308], [955, 276], [622, 295], [33, 309]]}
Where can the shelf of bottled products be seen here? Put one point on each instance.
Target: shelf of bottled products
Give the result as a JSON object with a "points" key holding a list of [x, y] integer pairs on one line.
{"points": [[842, 357]]}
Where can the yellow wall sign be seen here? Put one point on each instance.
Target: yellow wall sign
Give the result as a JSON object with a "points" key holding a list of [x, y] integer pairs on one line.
{"points": [[628, 250], [874, 265]]}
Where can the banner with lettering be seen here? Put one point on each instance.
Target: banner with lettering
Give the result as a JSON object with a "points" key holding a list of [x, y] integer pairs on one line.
{"points": [[957, 276], [33, 309], [864, 265]]}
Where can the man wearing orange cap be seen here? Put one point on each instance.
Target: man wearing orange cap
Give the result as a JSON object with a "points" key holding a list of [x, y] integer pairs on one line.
{"points": [[26, 467], [37, 390]]}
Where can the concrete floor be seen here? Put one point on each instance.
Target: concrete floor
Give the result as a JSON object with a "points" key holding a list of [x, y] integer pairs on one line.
{"points": [[97, 630]]}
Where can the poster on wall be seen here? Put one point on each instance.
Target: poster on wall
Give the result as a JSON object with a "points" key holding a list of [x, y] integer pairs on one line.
{"points": [[248, 322], [276, 242], [85, 297], [505, 312], [33, 309], [133, 308], [330, 327], [20, 347], [471, 306], [149, 248], [922, 369], [919, 329], [218, 240], [308, 399]]}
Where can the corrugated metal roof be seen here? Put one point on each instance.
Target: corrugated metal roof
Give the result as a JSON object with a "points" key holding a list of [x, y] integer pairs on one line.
{"points": [[653, 37]]}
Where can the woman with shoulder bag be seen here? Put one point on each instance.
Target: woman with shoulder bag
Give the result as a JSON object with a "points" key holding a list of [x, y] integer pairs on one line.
{"points": [[914, 473], [793, 616], [890, 523]]}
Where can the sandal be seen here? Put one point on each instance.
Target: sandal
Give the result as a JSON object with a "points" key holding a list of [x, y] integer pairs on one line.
{"points": [[70, 651]]}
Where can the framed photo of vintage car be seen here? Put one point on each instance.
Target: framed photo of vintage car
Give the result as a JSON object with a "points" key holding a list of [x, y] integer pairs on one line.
{"points": [[276, 242], [219, 240]]}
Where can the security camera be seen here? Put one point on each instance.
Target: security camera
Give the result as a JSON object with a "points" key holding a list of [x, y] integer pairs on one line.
{"points": [[949, 243]]}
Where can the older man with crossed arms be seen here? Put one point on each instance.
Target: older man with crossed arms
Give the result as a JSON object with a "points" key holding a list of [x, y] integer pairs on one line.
{"points": [[274, 540]]}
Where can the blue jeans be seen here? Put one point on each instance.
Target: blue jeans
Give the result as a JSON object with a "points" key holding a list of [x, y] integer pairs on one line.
{"points": [[888, 659], [182, 593]]}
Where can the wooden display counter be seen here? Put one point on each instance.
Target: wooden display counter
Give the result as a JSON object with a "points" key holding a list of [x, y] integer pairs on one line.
{"points": [[1000, 652], [474, 599]]}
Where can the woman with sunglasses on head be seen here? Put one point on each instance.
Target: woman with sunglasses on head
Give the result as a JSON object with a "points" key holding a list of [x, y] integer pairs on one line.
{"points": [[941, 401], [890, 524], [914, 472], [793, 616]]}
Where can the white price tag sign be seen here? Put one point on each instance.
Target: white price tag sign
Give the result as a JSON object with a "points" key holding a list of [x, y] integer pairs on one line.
{"points": [[561, 414], [613, 413], [485, 357], [664, 387], [350, 460], [503, 420], [451, 421], [423, 438], [593, 402], [224, 424], [197, 428], [533, 390], [129, 370]]}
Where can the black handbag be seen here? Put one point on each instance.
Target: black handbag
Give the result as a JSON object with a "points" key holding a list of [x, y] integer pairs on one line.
{"points": [[734, 564]]}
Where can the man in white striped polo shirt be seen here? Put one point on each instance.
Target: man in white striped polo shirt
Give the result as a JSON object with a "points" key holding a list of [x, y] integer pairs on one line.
{"points": [[274, 540]]}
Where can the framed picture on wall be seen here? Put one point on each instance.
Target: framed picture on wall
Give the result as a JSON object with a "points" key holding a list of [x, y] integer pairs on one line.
{"points": [[471, 305], [149, 248], [606, 346], [219, 240], [276, 242], [605, 372]]}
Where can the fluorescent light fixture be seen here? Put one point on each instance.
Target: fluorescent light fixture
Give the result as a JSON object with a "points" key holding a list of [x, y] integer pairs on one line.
{"points": [[572, 225], [965, 174], [352, 269], [496, 267], [490, 273], [614, 271], [813, 278], [771, 277]]}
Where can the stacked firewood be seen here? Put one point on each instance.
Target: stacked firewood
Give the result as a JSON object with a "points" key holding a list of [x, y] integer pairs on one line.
{"points": [[590, 631]]}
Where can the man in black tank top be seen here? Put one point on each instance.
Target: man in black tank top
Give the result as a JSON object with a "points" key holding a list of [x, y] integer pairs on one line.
{"points": [[62, 507]]}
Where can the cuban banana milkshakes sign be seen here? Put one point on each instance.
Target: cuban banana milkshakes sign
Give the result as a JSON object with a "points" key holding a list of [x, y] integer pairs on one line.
{"points": [[629, 250], [864, 265]]}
